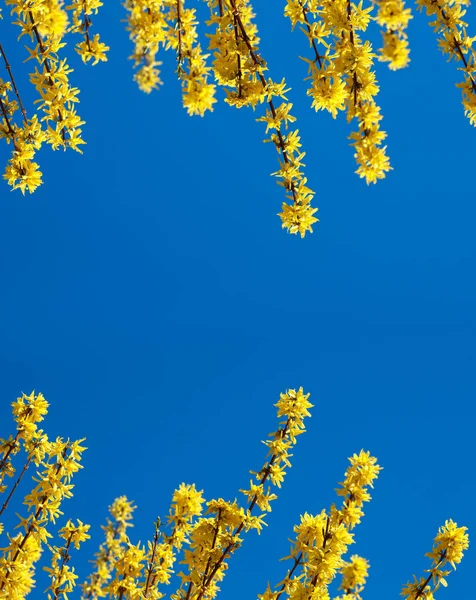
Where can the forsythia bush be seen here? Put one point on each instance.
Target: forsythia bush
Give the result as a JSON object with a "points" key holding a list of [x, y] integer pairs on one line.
{"points": [[204, 534], [341, 74]]}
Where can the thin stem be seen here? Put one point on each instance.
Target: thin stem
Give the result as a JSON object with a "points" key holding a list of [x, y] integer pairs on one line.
{"points": [[115, 533], [33, 522], [326, 536], [10, 74], [238, 57], [179, 36], [297, 561], [86, 25], [355, 83], [258, 63], [25, 467], [457, 43], [151, 563], [422, 587], [47, 65], [240, 528], [352, 41], [64, 559], [313, 41], [12, 135], [13, 443], [215, 535]]}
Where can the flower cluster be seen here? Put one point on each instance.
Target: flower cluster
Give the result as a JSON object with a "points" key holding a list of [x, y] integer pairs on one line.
{"points": [[45, 22], [216, 537], [55, 20], [167, 23], [116, 540], [239, 67], [91, 48], [448, 548], [22, 172], [28, 411], [342, 77], [354, 577], [455, 42], [57, 462], [393, 18], [63, 578], [51, 79], [322, 540], [148, 29], [204, 534], [125, 570]]}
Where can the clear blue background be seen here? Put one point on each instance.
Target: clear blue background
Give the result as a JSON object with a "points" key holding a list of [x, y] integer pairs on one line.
{"points": [[149, 292]]}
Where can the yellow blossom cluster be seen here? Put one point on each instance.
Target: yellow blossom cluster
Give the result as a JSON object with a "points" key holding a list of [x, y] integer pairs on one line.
{"points": [[205, 534], [44, 22], [116, 539], [455, 42], [393, 18], [148, 29], [54, 21], [354, 577], [239, 67], [342, 75], [126, 570], [322, 540], [28, 411], [167, 23], [56, 462], [216, 537], [63, 578], [91, 48], [448, 548]]}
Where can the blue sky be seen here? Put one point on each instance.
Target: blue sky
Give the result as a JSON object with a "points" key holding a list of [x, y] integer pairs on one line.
{"points": [[149, 292]]}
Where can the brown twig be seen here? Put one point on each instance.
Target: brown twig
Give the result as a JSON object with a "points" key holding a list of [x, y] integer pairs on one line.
{"points": [[13, 443], [313, 41], [179, 37], [115, 534], [258, 63], [457, 43], [297, 561], [64, 559], [421, 588], [215, 535], [352, 41], [47, 65], [10, 74], [7, 501], [151, 564], [34, 521], [86, 25], [240, 528], [238, 57]]}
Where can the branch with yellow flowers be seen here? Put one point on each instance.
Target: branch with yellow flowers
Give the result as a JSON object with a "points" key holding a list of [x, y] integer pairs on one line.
{"points": [[30, 458], [455, 42], [362, 86], [322, 540], [354, 577], [448, 548], [91, 48], [125, 570], [14, 85], [239, 66]]}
